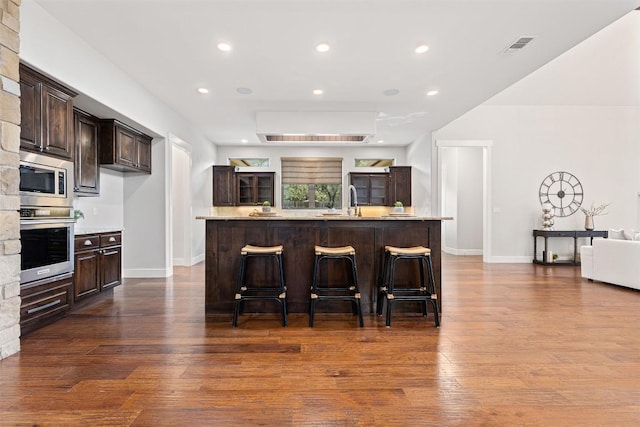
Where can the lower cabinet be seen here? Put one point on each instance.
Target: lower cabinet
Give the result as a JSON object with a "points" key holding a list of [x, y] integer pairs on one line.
{"points": [[98, 263], [45, 301]]}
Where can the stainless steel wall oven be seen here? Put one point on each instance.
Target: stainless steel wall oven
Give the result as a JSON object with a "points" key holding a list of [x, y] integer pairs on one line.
{"points": [[46, 217]]}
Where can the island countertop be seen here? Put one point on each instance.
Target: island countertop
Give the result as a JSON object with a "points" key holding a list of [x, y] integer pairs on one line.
{"points": [[227, 234]]}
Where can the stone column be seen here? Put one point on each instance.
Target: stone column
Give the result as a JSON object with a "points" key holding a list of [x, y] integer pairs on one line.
{"points": [[9, 178]]}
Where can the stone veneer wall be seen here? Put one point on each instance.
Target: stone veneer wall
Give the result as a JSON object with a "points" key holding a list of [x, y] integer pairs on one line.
{"points": [[9, 178]]}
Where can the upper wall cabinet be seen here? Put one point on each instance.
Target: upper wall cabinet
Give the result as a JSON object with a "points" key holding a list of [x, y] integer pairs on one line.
{"points": [[47, 115], [124, 148], [87, 167], [400, 184], [383, 189], [224, 185]]}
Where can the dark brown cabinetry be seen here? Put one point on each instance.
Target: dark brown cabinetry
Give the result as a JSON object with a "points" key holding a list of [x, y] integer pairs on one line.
{"points": [[87, 167], [400, 185], [224, 185], [46, 108], [232, 188], [45, 301], [372, 188], [123, 148], [383, 188], [254, 188], [98, 263]]}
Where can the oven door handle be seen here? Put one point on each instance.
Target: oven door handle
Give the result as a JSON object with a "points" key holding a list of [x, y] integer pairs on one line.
{"points": [[48, 221]]}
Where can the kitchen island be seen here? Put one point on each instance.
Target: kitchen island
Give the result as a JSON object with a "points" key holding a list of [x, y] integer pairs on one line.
{"points": [[226, 235]]}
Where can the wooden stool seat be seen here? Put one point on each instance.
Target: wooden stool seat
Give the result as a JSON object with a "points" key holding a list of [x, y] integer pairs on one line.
{"points": [[343, 250], [414, 250], [250, 249]]}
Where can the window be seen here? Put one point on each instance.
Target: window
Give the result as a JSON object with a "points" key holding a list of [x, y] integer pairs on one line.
{"points": [[245, 163], [311, 183], [375, 163]]}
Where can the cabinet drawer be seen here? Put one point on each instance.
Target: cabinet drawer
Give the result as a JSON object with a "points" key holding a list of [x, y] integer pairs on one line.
{"points": [[111, 239], [44, 301], [87, 242]]}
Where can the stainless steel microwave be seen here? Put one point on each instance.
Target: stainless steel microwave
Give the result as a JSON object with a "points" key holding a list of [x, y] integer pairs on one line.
{"points": [[45, 180]]}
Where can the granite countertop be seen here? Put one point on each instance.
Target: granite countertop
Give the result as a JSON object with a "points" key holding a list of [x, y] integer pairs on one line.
{"points": [[79, 231], [331, 217]]}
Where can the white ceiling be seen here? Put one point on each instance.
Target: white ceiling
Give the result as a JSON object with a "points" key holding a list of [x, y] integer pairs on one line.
{"points": [[168, 46]]}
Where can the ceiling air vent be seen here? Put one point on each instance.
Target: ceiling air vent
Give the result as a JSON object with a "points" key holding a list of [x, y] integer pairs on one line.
{"points": [[518, 45], [310, 127]]}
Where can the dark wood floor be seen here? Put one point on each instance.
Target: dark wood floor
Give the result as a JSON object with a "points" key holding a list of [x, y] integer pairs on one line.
{"points": [[519, 345]]}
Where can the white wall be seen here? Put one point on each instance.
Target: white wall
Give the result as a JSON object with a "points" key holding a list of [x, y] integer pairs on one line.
{"points": [[556, 120], [469, 216], [419, 157], [55, 50], [180, 205], [348, 154], [105, 210]]}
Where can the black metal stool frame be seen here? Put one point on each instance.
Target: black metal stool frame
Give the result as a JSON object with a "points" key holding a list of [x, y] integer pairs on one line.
{"points": [[390, 293], [253, 293], [350, 293]]}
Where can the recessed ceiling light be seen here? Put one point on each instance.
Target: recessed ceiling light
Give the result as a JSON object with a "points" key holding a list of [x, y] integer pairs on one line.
{"points": [[224, 46], [323, 47], [244, 91], [318, 92], [391, 92], [380, 141], [203, 90], [244, 141], [432, 93], [422, 47]]}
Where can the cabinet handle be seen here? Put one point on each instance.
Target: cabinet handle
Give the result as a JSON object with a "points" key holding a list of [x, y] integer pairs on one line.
{"points": [[112, 239], [88, 243], [44, 307]]}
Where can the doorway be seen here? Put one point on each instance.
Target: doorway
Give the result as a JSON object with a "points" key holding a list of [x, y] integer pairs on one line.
{"points": [[181, 206], [461, 164]]}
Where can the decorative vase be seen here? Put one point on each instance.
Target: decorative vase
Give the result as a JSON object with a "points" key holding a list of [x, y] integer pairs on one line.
{"points": [[398, 209], [588, 222], [266, 209]]}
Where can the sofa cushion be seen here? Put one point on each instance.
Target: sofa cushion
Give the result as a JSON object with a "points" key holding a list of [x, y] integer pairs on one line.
{"points": [[631, 235], [616, 234], [617, 262]]}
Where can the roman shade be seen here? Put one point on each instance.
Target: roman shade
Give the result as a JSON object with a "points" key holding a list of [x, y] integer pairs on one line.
{"points": [[309, 170]]}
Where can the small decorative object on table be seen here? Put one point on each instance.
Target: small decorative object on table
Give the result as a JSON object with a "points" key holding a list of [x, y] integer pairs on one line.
{"points": [[266, 206], [398, 207], [547, 217], [591, 212]]}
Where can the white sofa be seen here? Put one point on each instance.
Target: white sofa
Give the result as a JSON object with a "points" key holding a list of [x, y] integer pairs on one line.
{"points": [[614, 261]]}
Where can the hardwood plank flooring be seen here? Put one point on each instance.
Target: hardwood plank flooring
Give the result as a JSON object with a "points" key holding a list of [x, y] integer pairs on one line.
{"points": [[520, 344]]}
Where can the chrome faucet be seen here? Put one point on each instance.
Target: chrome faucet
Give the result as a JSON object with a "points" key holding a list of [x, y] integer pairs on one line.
{"points": [[353, 198]]}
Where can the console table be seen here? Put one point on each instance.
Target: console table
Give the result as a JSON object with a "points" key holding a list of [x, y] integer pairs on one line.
{"points": [[574, 234]]}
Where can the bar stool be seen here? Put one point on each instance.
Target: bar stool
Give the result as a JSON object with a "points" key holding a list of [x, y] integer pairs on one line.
{"points": [[246, 292], [349, 292], [423, 292]]}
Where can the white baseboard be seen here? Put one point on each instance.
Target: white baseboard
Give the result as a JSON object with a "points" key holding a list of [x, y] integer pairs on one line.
{"points": [[462, 252], [197, 259], [510, 259], [146, 273], [179, 262]]}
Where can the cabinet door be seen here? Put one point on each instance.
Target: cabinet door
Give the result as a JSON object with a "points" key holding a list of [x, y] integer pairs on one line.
{"points": [[144, 153], [110, 267], [246, 194], [87, 279], [264, 188], [57, 123], [126, 147], [400, 184], [87, 171], [224, 185], [30, 95], [379, 190], [361, 182]]}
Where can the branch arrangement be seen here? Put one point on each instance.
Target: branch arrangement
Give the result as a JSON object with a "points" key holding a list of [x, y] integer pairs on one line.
{"points": [[595, 210]]}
